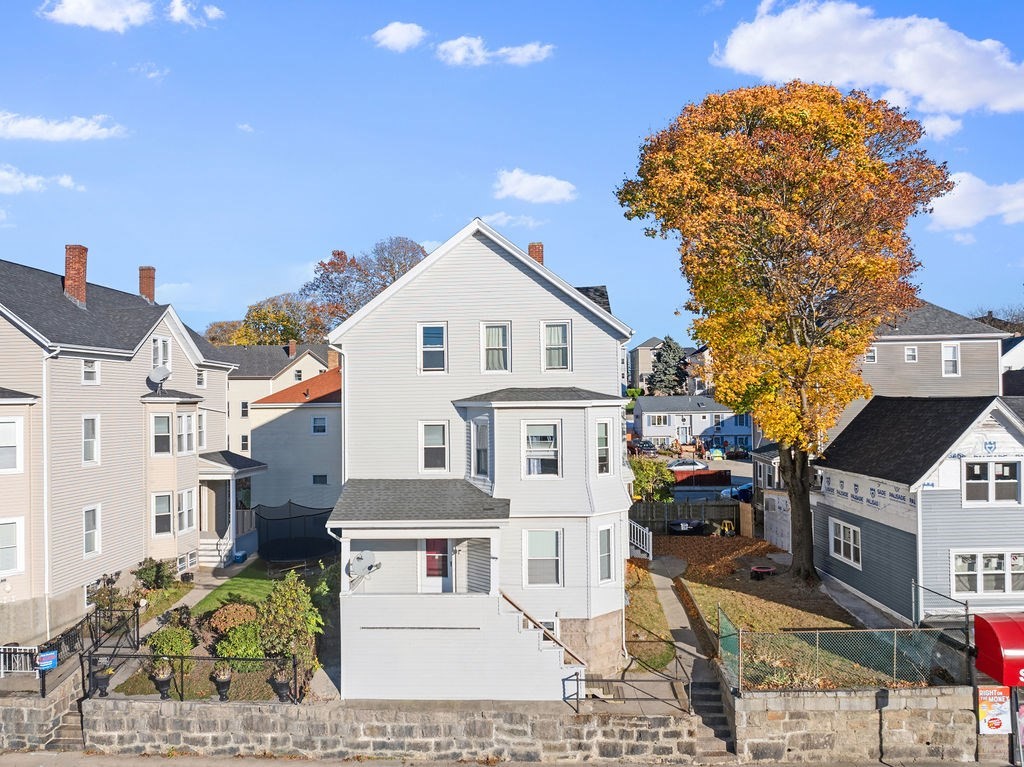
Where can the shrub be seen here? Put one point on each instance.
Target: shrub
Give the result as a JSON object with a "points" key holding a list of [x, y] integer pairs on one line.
{"points": [[325, 590], [180, 616], [288, 621], [154, 573], [230, 615], [242, 641], [171, 641]]}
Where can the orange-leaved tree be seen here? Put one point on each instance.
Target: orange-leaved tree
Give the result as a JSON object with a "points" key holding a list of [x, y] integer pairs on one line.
{"points": [[791, 204]]}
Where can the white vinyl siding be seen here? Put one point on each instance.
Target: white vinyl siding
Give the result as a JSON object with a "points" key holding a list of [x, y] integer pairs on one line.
{"points": [[433, 347], [543, 560], [91, 529], [557, 345], [162, 514], [434, 446], [12, 545], [90, 440], [90, 372], [11, 445], [497, 355]]}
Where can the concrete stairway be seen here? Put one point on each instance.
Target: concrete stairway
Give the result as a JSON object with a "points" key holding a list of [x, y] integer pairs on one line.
{"points": [[68, 735], [715, 743]]}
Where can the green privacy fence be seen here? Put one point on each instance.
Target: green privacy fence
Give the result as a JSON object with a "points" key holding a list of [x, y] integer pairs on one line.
{"points": [[841, 659]]}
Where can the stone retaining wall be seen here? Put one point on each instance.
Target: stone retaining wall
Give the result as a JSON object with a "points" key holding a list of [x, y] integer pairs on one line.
{"points": [[484, 731], [28, 722]]}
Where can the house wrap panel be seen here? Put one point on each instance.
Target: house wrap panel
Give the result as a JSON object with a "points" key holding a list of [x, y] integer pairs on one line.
{"points": [[888, 558], [892, 376]]}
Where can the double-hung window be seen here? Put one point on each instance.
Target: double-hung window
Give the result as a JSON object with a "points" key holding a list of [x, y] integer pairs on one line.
{"points": [[245, 443], [658, 420], [989, 572], [604, 447], [91, 529], [201, 379], [162, 434], [481, 448], [845, 542], [871, 355], [542, 449], [496, 347], [186, 510], [543, 557], [245, 410], [91, 372], [11, 449], [201, 430], [161, 514], [605, 547], [910, 354], [951, 359], [557, 345], [434, 446], [161, 352], [319, 424], [992, 481], [12, 546], [186, 433], [90, 439], [433, 347]]}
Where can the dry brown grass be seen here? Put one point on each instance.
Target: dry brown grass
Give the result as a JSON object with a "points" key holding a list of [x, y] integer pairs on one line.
{"points": [[648, 636]]}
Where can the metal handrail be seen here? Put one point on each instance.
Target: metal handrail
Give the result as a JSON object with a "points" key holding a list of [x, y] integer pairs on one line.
{"points": [[539, 625]]}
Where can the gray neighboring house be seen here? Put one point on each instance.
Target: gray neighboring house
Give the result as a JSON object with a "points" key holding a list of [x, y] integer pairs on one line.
{"points": [[926, 491], [99, 466], [664, 420], [641, 357]]}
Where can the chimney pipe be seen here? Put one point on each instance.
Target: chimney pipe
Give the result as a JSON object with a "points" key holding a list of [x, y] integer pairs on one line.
{"points": [[536, 252], [74, 272], [292, 344], [333, 359], [147, 283]]}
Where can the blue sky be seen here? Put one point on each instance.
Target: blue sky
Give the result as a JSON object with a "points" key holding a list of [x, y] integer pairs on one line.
{"points": [[233, 144]]}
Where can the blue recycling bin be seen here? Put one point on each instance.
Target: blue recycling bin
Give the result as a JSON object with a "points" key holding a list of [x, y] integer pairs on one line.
{"points": [[240, 556]]}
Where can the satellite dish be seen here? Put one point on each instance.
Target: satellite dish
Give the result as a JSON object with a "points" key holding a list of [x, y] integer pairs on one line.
{"points": [[158, 375], [362, 564]]}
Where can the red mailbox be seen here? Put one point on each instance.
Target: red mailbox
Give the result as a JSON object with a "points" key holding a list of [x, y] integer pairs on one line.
{"points": [[999, 639]]}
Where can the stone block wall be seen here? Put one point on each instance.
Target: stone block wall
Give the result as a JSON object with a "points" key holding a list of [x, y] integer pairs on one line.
{"points": [[29, 722]]}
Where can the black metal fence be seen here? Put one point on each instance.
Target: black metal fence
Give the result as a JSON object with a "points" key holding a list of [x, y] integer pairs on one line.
{"points": [[292, 532]]}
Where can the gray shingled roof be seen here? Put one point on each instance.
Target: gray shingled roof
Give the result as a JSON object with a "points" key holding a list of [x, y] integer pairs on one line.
{"points": [[1010, 343], [414, 500], [931, 320], [232, 460], [768, 450], [173, 394], [541, 394], [649, 343], [599, 295], [901, 438], [681, 404], [12, 394], [266, 361]]}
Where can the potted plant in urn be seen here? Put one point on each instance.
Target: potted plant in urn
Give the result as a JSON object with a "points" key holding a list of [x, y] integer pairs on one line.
{"points": [[281, 681], [160, 673], [221, 677], [101, 679]]}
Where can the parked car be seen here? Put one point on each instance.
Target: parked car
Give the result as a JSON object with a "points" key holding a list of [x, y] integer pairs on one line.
{"points": [[642, 447], [686, 464], [688, 527], [744, 492]]}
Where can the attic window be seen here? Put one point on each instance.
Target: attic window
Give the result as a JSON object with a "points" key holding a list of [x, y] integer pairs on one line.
{"points": [[298, 375]]}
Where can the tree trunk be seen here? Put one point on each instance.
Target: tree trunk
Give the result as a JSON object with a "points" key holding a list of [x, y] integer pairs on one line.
{"points": [[795, 471]]}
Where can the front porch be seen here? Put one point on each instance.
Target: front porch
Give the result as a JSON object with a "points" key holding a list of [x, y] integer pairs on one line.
{"points": [[226, 522]]}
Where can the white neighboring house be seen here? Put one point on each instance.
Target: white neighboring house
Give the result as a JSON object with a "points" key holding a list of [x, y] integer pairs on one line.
{"points": [[664, 420], [495, 500]]}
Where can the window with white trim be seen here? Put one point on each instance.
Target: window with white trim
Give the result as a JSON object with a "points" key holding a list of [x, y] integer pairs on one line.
{"points": [[989, 573], [201, 430], [193, 558], [433, 343], [90, 372], [91, 529], [90, 439], [951, 359], [605, 549], [543, 558], [298, 375], [245, 410], [434, 446], [541, 449], [481, 448], [245, 443], [182, 563], [658, 420], [716, 419], [845, 542], [12, 545], [319, 424], [557, 345], [871, 355], [11, 445], [910, 354], [161, 351], [162, 514], [186, 510], [496, 356], [186, 433], [201, 379], [161, 435], [992, 481], [604, 447]]}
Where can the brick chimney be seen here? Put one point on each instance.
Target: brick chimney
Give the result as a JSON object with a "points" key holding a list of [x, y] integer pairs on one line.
{"points": [[536, 252], [333, 360], [292, 346], [74, 272], [147, 283]]}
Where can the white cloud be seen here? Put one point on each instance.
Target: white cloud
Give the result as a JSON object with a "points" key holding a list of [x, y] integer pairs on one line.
{"points": [[916, 62], [521, 185], [213, 13], [501, 218], [468, 51], [399, 36], [105, 15], [13, 181], [940, 127], [972, 201], [186, 12], [246, 128], [150, 71], [67, 182], [964, 238], [430, 245], [15, 126]]}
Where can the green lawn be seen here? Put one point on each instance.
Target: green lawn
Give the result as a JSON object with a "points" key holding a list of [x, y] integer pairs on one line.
{"points": [[159, 600], [251, 585]]}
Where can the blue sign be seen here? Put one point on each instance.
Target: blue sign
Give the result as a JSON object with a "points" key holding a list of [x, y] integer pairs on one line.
{"points": [[47, 661]]}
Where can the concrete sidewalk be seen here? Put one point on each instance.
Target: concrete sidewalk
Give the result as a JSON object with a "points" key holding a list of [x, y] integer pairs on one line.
{"points": [[205, 580]]}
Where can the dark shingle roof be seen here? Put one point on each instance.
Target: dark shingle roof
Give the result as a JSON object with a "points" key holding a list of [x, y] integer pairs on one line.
{"points": [[266, 361], [12, 394], [1010, 343], [931, 320], [110, 319], [649, 343], [769, 450], [414, 500], [231, 460], [681, 404], [1013, 383], [599, 295], [901, 438], [172, 394], [541, 394]]}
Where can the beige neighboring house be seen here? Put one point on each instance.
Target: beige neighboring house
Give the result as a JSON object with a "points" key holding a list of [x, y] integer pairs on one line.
{"points": [[641, 360], [297, 433], [100, 465]]}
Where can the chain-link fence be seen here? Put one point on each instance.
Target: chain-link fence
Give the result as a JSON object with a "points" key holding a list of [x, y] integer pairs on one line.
{"points": [[838, 659]]}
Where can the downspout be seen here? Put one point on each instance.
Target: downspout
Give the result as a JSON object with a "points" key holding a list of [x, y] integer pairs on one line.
{"points": [[920, 560], [46, 490]]}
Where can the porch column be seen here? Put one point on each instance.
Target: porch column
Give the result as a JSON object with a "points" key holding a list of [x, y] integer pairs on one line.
{"points": [[231, 515], [345, 557], [494, 541]]}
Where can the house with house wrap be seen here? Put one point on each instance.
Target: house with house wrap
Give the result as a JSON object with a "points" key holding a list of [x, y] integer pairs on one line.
{"points": [[483, 515]]}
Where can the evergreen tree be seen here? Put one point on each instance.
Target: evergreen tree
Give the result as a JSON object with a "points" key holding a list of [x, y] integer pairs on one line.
{"points": [[668, 370]]}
